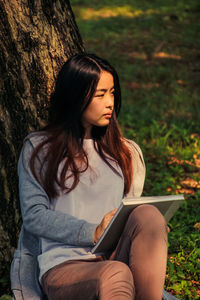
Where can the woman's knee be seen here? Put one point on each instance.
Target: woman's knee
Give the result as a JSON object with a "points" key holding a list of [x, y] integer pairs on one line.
{"points": [[116, 271], [116, 281], [147, 217]]}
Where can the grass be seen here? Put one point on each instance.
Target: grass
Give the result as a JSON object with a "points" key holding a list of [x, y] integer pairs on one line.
{"points": [[154, 45]]}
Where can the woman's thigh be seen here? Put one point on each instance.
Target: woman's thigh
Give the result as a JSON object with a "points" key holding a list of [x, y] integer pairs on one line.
{"points": [[88, 280]]}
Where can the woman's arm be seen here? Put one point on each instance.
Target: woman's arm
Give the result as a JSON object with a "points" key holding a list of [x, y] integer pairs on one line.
{"points": [[38, 219]]}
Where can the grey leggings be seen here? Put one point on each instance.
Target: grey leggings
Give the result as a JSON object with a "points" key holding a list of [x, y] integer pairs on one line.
{"points": [[135, 270]]}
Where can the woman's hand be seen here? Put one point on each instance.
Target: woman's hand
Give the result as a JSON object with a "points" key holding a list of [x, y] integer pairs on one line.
{"points": [[104, 223]]}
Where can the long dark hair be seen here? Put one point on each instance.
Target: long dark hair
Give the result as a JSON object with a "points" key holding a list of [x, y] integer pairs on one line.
{"points": [[75, 87]]}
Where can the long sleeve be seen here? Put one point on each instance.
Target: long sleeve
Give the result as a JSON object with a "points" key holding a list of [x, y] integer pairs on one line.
{"points": [[37, 217]]}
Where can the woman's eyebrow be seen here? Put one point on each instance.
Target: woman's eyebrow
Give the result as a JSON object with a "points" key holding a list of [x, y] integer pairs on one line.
{"points": [[104, 90]]}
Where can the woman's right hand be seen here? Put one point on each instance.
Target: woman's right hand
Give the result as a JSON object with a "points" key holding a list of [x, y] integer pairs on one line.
{"points": [[104, 223]]}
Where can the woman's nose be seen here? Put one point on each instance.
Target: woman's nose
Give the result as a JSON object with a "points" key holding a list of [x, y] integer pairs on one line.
{"points": [[110, 101]]}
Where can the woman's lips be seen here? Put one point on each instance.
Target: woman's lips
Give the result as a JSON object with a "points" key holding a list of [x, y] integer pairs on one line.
{"points": [[108, 115]]}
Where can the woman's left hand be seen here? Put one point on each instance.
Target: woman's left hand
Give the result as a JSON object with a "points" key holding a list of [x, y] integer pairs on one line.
{"points": [[104, 223]]}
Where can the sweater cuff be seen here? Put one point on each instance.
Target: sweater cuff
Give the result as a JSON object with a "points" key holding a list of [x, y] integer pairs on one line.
{"points": [[86, 234]]}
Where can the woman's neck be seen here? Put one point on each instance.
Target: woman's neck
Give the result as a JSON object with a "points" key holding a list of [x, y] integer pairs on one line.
{"points": [[88, 133]]}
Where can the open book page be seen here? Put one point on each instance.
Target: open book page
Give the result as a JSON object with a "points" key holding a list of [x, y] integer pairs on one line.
{"points": [[167, 205]]}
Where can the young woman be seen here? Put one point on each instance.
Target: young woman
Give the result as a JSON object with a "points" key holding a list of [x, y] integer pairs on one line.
{"points": [[72, 177]]}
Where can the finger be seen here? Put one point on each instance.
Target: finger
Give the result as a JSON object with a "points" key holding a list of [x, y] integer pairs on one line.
{"points": [[112, 212]]}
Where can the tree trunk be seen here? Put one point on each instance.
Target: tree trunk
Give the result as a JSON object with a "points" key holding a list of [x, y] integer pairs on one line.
{"points": [[36, 37]]}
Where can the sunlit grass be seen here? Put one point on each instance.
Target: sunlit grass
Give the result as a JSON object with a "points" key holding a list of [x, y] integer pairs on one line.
{"points": [[166, 55], [163, 55], [91, 10], [113, 11]]}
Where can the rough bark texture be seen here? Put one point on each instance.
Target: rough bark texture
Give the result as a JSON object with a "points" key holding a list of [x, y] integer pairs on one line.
{"points": [[36, 37]]}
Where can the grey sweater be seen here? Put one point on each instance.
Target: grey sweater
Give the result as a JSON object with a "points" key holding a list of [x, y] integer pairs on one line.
{"points": [[41, 221]]}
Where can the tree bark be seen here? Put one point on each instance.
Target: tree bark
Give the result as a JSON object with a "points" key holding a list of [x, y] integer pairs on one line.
{"points": [[36, 37]]}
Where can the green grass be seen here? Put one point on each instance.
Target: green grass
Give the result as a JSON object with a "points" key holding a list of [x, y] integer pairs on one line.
{"points": [[5, 297], [154, 45]]}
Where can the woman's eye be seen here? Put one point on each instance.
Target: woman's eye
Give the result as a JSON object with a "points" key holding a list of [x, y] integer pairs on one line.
{"points": [[101, 95]]}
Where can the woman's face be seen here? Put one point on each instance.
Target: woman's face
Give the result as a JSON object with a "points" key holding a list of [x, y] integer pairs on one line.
{"points": [[99, 111]]}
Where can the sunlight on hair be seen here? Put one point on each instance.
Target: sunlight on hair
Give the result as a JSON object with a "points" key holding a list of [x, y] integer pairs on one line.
{"points": [[113, 11]]}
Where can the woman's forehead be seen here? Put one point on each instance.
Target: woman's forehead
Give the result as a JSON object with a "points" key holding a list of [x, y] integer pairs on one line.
{"points": [[106, 81]]}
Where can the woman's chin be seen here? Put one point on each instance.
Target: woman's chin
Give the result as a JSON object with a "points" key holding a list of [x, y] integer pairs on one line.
{"points": [[103, 123]]}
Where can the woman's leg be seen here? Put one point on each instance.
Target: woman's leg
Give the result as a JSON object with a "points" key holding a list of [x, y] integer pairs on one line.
{"points": [[143, 246], [89, 280]]}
